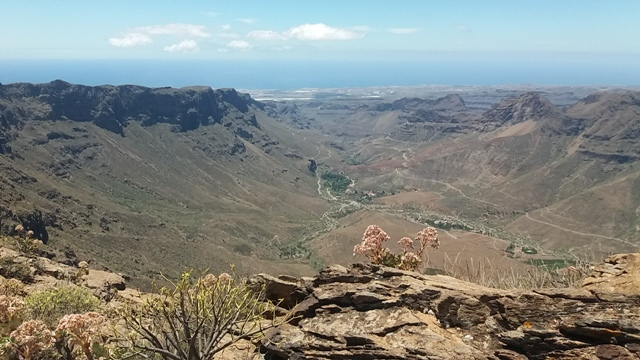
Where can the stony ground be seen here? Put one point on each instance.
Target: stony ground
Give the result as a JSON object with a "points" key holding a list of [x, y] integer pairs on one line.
{"points": [[373, 312]]}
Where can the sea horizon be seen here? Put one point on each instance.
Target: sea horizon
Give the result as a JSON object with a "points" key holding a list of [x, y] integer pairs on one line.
{"points": [[290, 75]]}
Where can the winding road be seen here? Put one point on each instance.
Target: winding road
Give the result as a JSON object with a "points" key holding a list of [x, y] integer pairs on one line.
{"points": [[580, 233]]}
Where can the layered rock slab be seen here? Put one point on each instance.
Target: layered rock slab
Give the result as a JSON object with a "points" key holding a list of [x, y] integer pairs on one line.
{"points": [[374, 312]]}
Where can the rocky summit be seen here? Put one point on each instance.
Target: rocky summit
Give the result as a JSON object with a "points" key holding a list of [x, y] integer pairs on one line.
{"points": [[374, 312]]}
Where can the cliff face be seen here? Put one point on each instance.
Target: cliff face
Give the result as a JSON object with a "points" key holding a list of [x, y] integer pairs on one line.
{"points": [[113, 107], [374, 312], [615, 131]]}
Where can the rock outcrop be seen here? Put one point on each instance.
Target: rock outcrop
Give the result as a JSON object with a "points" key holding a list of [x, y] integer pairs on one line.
{"points": [[614, 131], [113, 107], [521, 108], [375, 312]]}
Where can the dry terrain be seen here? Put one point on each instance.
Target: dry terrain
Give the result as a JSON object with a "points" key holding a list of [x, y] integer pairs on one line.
{"points": [[146, 181]]}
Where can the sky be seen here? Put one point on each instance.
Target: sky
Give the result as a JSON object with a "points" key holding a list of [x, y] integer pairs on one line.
{"points": [[564, 33]]}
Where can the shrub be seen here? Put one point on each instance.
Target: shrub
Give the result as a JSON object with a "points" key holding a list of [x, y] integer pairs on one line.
{"points": [[52, 304], [373, 238], [25, 242], [496, 275], [11, 287], [195, 318], [11, 269]]}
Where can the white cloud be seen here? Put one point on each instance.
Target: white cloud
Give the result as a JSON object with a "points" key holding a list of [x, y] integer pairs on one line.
{"points": [[311, 32], [130, 40], [227, 35], [265, 35], [403, 31], [323, 32], [239, 45], [362, 29], [179, 29], [247, 20], [225, 27], [145, 34], [183, 46]]}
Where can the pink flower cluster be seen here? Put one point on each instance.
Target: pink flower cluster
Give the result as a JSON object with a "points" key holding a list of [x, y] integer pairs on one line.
{"points": [[211, 280], [10, 306], [31, 337], [81, 331], [428, 237], [371, 245], [374, 237]]}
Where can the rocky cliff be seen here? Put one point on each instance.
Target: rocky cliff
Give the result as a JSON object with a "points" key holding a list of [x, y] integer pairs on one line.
{"points": [[118, 172], [374, 312], [113, 107]]}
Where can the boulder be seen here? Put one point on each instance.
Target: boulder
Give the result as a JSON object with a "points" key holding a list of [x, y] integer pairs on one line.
{"points": [[104, 285], [617, 274], [284, 291]]}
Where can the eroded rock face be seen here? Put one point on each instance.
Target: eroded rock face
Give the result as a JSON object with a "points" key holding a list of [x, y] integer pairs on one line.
{"points": [[617, 274], [113, 107], [374, 312]]}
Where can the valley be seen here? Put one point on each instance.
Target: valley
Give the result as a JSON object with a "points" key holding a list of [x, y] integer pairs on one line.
{"points": [[146, 181]]}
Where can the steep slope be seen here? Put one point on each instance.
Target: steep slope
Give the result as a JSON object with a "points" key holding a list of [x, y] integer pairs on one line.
{"points": [[535, 166], [154, 180], [615, 130], [406, 119]]}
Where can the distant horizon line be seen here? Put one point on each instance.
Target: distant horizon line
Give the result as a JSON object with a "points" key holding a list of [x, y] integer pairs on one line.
{"points": [[509, 86], [294, 74]]}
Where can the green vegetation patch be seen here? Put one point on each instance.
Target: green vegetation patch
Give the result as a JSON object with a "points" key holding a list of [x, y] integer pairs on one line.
{"points": [[52, 304], [335, 181]]}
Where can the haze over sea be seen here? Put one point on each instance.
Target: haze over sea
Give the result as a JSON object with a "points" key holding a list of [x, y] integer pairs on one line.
{"points": [[284, 75]]}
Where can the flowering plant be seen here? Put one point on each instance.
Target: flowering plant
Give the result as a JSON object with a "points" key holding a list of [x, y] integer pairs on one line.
{"points": [[373, 238], [25, 241], [10, 306], [29, 339], [82, 333]]}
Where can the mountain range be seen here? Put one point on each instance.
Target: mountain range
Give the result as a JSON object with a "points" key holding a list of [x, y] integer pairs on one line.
{"points": [[153, 180]]}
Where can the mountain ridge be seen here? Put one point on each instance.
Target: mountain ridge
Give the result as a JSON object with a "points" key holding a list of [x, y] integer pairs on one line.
{"points": [[124, 175], [170, 177]]}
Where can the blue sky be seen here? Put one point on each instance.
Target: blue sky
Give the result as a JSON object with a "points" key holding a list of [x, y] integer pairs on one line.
{"points": [[328, 43], [325, 29]]}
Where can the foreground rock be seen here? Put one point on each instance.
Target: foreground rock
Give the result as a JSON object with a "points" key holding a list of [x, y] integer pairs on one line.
{"points": [[374, 312]]}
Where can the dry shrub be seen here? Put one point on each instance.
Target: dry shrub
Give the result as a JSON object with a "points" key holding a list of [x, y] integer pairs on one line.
{"points": [[487, 273], [195, 318], [11, 287]]}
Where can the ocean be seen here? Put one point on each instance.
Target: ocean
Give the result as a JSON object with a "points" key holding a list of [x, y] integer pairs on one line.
{"points": [[287, 75]]}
